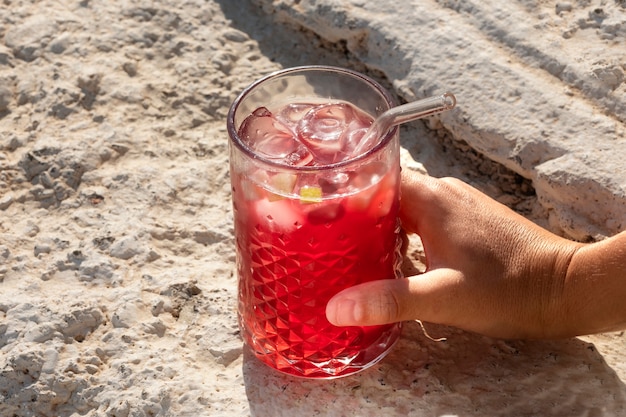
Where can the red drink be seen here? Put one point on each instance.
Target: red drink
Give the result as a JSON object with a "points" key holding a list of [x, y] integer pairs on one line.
{"points": [[304, 233]]}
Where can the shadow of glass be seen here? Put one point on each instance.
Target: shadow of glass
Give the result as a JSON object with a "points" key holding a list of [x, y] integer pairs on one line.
{"points": [[468, 375]]}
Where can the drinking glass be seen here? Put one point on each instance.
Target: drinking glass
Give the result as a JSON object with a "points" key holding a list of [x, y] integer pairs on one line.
{"points": [[305, 232]]}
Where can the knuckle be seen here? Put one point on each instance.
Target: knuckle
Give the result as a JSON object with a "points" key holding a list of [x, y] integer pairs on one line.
{"points": [[389, 306]]}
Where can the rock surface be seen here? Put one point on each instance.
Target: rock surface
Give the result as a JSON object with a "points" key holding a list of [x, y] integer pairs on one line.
{"points": [[117, 287]]}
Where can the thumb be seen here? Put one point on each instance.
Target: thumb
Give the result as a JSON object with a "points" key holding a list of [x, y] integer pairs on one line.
{"points": [[394, 300]]}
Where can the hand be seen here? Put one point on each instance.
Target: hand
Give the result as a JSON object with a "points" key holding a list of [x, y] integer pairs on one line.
{"points": [[489, 270]]}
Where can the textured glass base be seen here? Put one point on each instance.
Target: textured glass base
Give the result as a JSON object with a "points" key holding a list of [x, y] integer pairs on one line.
{"points": [[346, 363]]}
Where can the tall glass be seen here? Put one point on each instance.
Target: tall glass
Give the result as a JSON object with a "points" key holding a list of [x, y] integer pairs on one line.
{"points": [[304, 233]]}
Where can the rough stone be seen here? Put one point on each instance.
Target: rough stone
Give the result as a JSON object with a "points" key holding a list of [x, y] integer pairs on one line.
{"points": [[117, 278]]}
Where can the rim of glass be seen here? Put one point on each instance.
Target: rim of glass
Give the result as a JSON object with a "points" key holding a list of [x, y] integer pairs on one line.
{"points": [[234, 135]]}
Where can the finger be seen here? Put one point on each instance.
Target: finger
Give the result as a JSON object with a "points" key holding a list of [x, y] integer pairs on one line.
{"points": [[429, 297]]}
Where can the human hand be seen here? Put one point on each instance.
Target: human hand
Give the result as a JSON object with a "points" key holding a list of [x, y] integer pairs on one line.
{"points": [[489, 270]]}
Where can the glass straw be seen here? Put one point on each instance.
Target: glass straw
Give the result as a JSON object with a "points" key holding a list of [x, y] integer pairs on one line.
{"points": [[403, 114]]}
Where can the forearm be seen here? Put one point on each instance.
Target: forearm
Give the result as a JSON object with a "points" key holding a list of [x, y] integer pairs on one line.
{"points": [[594, 296]]}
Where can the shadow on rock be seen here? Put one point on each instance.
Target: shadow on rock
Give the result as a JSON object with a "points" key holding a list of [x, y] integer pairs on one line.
{"points": [[467, 375], [287, 44]]}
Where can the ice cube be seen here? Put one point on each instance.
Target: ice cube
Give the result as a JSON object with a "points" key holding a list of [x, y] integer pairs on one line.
{"points": [[281, 184], [278, 215], [328, 130], [262, 132], [365, 184], [292, 113], [335, 182], [369, 174]]}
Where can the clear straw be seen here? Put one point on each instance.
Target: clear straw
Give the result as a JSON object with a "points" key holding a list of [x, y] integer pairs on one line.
{"points": [[403, 114]]}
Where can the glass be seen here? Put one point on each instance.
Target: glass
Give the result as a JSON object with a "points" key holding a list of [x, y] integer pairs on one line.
{"points": [[305, 232]]}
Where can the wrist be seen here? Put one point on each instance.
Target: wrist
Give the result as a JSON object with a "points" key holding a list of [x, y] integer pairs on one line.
{"points": [[595, 287], [562, 300]]}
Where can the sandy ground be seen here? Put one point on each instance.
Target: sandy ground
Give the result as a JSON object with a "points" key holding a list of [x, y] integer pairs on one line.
{"points": [[117, 286]]}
